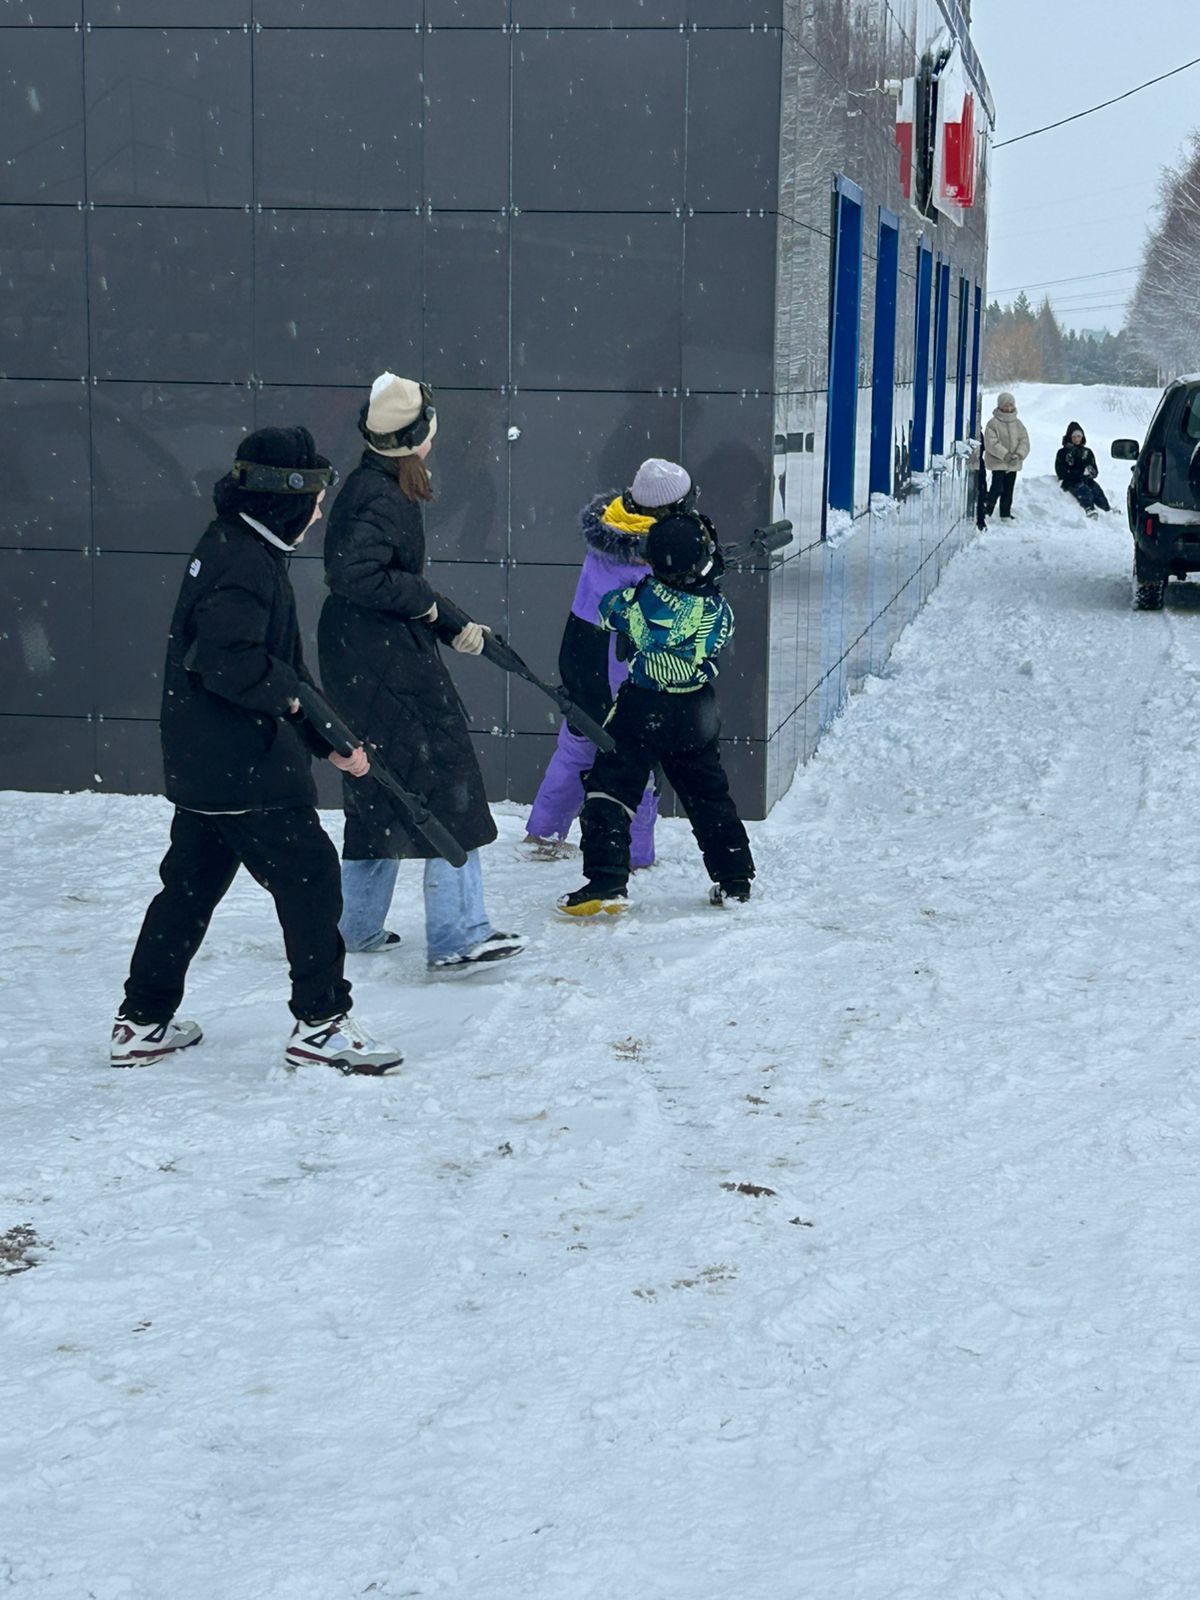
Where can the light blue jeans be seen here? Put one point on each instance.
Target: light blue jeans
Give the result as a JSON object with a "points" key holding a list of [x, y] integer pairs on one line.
{"points": [[455, 917]]}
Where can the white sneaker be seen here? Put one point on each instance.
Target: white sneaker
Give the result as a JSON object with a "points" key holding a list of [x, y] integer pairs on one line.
{"points": [[344, 1044], [141, 1044], [496, 947]]}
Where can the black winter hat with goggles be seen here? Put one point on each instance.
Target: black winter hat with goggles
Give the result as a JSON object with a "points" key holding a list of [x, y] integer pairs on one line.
{"points": [[275, 478]]}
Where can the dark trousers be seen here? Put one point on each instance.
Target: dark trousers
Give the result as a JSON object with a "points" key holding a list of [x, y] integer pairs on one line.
{"points": [[583, 666], [1001, 488], [678, 732], [1089, 494], [289, 853]]}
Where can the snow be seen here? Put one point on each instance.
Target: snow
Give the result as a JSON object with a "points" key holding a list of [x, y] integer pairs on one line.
{"points": [[1173, 516], [509, 1326], [1106, 411]]}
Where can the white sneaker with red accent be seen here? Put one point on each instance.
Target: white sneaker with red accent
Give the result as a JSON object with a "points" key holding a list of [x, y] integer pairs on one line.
{"points": [[344, 1044], [141, 1044]]}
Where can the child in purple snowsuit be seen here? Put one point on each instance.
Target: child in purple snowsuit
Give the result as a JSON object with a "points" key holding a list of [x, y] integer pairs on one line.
{"points": [[614, 528]]}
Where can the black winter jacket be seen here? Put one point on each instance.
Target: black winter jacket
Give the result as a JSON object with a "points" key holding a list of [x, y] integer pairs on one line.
{"points": [[383, 669], [234, 662], [1072, 462]]}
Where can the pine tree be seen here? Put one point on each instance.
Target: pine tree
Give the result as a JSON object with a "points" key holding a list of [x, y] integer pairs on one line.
{"points": [[1050, 343]]}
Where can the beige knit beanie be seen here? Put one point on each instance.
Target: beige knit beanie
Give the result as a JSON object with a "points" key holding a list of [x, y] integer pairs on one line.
{"points": [[395, 403]]}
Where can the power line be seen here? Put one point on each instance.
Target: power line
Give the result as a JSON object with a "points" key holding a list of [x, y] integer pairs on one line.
{"points": [[1103, 106], [1053, 283], [1002, 236], [998, 214], [1078, 311]]}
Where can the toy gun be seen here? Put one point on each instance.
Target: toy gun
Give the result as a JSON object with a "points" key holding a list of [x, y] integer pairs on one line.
{"points": [[322, 716], [762, 542], [501, 654]]}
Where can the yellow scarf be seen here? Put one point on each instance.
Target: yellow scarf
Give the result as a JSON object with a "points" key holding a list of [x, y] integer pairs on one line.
{"points": [[624, 521]]}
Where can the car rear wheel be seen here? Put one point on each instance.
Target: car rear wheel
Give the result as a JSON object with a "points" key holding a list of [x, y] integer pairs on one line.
{"points": [[1149, 596]]}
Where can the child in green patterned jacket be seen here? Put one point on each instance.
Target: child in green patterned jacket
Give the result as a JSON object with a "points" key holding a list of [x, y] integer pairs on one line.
{"points": [[675, 623]]}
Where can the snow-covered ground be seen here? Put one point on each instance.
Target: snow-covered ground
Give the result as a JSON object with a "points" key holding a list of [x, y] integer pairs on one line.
{"points": [[839, 1247], [1106, 412]]}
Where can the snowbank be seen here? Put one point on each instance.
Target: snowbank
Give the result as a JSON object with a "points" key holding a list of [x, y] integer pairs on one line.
{"points": [[1105, 411]]}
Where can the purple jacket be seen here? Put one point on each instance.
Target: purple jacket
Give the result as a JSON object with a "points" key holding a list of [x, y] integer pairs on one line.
{"points": [[609, 563]]}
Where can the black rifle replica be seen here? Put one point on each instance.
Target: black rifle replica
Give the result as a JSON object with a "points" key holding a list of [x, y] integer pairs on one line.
{"points": [[329, 725], [501, 654], [762, 542]]}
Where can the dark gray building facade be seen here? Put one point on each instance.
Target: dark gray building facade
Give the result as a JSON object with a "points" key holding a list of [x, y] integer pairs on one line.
{"points": [[602, 229]]}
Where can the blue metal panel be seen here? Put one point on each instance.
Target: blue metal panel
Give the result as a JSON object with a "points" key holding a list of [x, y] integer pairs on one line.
{"points": [[941, 355], [975, 343], [964, 326], [883, 370], [844, 329], [918, 450]]}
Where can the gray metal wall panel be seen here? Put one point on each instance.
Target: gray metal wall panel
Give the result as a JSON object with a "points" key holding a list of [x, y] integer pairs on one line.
{"points": [[604, 227]]}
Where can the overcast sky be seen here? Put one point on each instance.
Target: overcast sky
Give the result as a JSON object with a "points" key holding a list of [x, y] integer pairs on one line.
{"points": [[1076, 202]]}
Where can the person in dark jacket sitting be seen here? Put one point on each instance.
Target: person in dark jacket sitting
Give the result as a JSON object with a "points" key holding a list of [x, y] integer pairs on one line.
{"points": [[236, 755], [380, 638], [1077, 472], [675, 622]]}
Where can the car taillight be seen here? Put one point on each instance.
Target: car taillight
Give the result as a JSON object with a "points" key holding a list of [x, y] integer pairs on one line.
{"points": [[1151, 528]]}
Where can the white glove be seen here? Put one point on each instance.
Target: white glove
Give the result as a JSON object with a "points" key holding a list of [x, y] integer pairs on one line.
{"points": [[470, 640]]}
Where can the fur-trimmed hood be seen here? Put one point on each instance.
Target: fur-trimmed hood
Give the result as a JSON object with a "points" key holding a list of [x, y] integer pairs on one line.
{"points": [[1074, 427], [601, 536]]}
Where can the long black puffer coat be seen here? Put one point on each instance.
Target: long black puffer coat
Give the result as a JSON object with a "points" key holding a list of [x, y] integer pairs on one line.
{"points": [[383, 670]]}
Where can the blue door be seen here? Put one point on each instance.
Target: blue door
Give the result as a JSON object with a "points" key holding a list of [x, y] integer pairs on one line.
{"points": [[883, 365], [919, 449], [941, 351], [844, 328], [964, 329]]}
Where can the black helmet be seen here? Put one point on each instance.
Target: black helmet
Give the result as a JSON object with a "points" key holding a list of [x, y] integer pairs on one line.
{"points": [[682, 551]]}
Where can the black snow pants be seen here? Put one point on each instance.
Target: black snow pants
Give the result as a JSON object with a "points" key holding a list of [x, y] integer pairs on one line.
{"points": [[1089, 494], [678, 732], [289, 853], [1001, 489]]}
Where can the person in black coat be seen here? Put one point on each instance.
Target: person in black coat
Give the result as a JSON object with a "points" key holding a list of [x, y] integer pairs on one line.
{"points": [[236, 757], [1077, 472], [379, 641]]}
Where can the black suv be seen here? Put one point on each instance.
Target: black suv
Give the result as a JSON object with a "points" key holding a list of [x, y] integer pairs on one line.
{"points": [[1164, 494]]}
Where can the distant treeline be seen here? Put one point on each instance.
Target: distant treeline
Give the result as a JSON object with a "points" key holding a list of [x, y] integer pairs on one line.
{"points": [[1021, 345], [1161, 336]]}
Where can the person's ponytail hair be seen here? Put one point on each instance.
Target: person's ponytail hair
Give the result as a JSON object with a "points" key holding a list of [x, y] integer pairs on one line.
{"points": [[413, 477]]}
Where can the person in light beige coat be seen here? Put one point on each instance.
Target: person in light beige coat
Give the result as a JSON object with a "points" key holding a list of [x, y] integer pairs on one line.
{"points": [[1005, 446]]}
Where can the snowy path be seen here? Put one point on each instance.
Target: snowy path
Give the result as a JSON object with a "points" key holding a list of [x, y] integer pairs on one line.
{"points": [[506, 1329]]}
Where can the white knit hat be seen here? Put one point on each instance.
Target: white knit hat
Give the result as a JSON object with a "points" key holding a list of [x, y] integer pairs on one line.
{"points": [[394, 404], [659, 483]]}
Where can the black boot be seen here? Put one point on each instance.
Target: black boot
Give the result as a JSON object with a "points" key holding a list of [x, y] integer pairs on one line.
{"points": [[594, 899]]}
